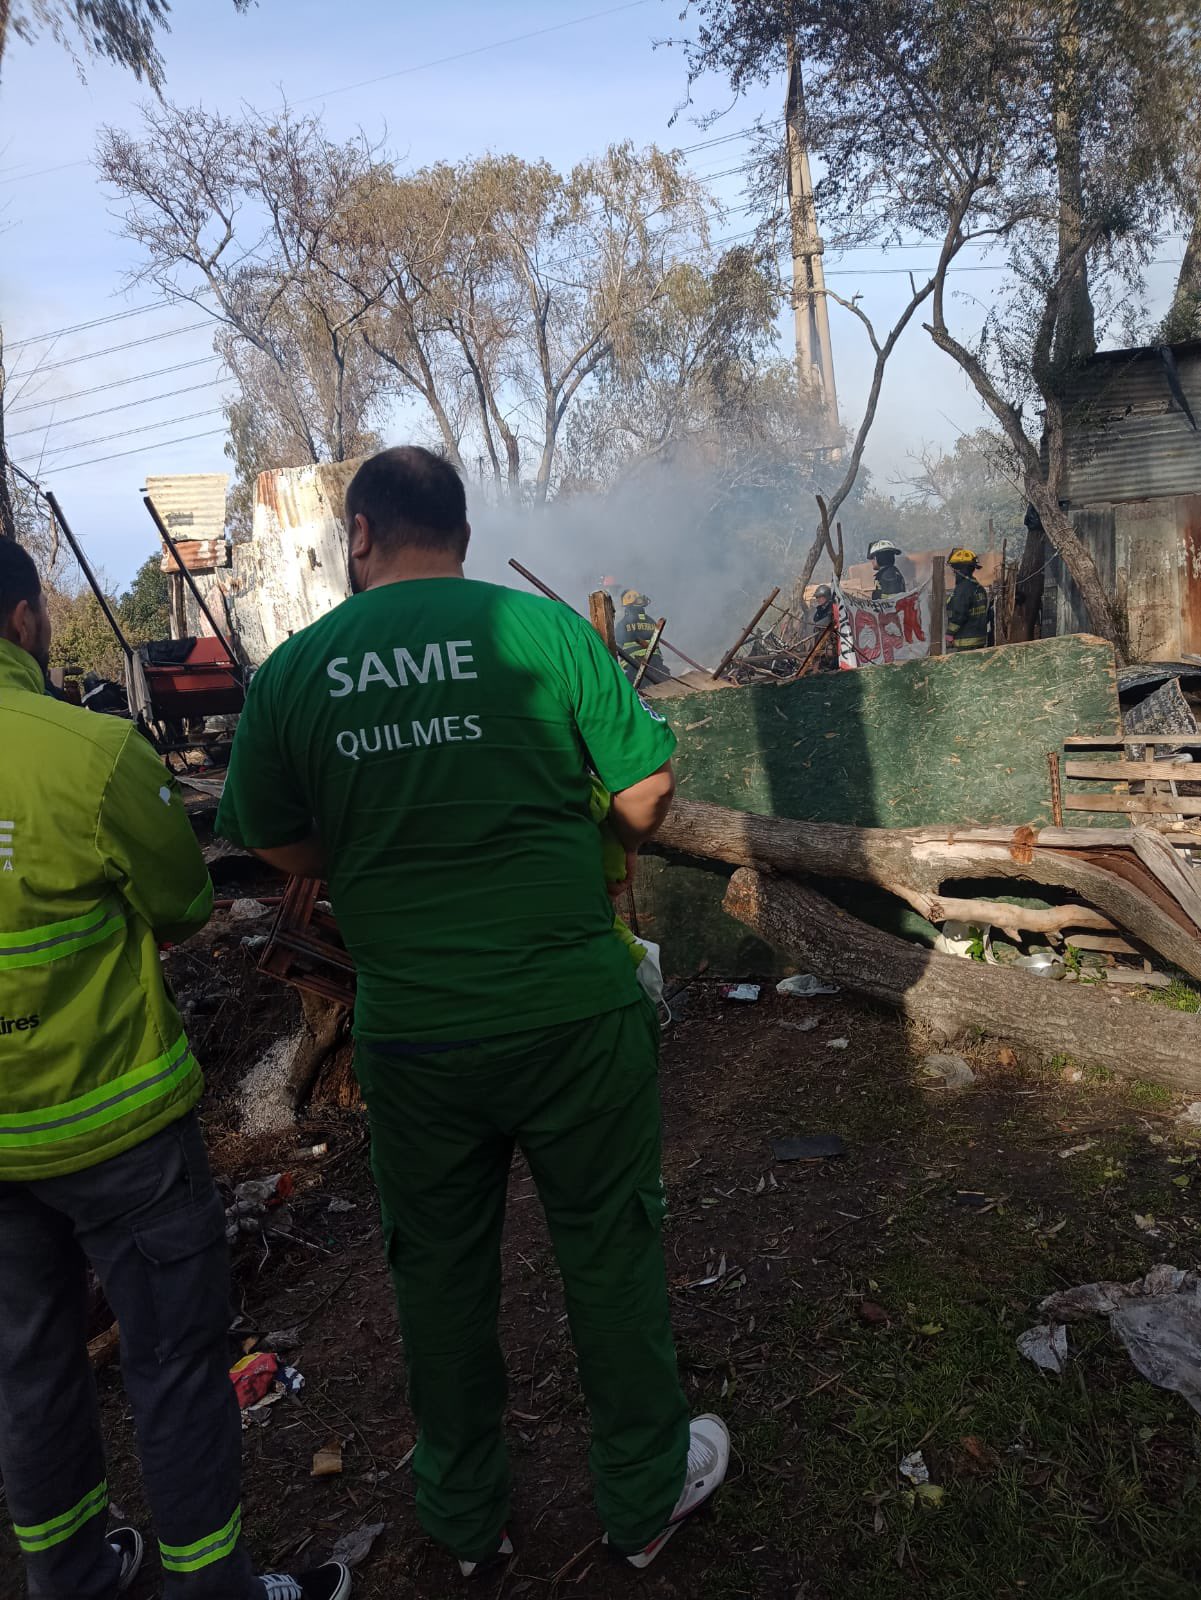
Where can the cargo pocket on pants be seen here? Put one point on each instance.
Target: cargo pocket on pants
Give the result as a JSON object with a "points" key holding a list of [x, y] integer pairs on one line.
{"points": [[188, 1276]]}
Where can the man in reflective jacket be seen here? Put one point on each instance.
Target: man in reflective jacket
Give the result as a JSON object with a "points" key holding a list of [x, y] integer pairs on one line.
{"points": [[635, 630], [101, 1158]]}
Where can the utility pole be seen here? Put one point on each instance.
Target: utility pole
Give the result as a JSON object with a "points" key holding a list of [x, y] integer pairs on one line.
{"points": [[814, 351]]}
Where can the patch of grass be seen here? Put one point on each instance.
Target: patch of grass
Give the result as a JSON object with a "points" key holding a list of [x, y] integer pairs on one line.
{"points": [[1180, 995], [1085, 1485], [1149, 1094]]}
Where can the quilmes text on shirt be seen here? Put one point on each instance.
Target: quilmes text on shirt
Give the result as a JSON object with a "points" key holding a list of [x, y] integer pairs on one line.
{"points": [[450, 659]]}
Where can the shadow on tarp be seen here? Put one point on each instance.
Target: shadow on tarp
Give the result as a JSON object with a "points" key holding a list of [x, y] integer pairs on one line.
{"points": [[960, 741]]}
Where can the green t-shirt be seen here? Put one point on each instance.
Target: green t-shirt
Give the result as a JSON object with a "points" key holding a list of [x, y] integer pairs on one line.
{"points": [[438, 734]]}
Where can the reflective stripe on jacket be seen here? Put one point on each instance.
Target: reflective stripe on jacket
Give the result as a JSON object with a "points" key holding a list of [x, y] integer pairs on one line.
{"points": [[636, 632], [98, 863], [967, 615]]}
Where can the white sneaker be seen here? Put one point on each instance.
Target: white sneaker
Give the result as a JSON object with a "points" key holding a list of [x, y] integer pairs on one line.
{"points": [[127, 1543], [708, 1459], [470, 1568]]}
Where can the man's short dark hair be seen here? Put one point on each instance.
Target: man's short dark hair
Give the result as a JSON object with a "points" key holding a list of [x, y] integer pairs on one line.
{"points": [[18, 578], [411, 497]]}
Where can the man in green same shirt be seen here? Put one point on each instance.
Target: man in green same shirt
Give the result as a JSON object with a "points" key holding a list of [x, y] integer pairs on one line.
{"points": [[427, 747]]}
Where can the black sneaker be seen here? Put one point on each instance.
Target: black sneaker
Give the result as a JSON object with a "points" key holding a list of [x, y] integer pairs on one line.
{"points": [[127, 1544], [330, 1582]]}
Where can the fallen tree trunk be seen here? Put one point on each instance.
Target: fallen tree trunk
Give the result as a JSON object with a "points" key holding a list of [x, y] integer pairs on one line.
{"points": [[909, 862], [950, 995]]}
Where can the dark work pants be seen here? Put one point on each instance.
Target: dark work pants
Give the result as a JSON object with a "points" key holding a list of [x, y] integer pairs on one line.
{"points": [[582, 1101], [151, 1223]]}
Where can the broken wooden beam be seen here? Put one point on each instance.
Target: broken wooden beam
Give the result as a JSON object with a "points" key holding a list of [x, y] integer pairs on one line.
{"points": [[907, 861], [950, 995]]}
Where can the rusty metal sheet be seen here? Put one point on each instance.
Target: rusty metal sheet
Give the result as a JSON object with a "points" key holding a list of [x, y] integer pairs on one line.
{"points": [[293, 568], [192, 504], [197, 555]]}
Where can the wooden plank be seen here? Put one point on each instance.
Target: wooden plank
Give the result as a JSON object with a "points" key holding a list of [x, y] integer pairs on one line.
{"points": [[1146, 771], [1077, 739], [1106, 943], [1182, 883], [1147, 805], [600, 614]]}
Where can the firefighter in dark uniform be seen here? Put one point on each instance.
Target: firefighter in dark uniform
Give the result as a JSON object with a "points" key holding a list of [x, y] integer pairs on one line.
{"points": [[889, 578], [635, 629], [967, 604], [823, 616]]}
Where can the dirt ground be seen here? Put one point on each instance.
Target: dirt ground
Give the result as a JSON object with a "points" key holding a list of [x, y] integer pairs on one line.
{"points": [[839, 1313]]}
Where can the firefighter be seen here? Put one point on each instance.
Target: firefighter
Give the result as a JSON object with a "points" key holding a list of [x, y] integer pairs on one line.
{"points": [[101, 1156], [889, 579], [967, 604], [426, 747], [823, 617], [635, 630]]}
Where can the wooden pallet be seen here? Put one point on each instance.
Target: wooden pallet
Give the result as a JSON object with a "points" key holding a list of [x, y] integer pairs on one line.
{"points": [[305, 948], [1148, 788]]}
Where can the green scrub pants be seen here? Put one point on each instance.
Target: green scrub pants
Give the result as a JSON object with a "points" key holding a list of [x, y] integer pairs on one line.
{"points": [[581, 1100]]}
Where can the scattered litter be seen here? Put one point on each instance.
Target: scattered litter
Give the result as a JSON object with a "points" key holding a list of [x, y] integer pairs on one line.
{"points": [[310, 1152], [1146, 1225], [1046, 1345], [1157, 1318], [913, 1467], [837, 1044], [327, 1462], [248, 910], [1042, 963], [811, 1147], [953, 1070], [804, 986], [1073, 1075], [354, 1547], [1078, 1149], [1006, 1058], [259, 1206], [1191, 1115], [337, 1206], [745, 992], [929, 1496], [1162, 1336], [965, 939], [253, 941], [976, 1199], [807, 1026], [263, 1377]]}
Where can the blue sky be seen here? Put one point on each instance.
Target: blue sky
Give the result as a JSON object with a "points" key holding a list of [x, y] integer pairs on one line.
{"points": [[562, 95]]}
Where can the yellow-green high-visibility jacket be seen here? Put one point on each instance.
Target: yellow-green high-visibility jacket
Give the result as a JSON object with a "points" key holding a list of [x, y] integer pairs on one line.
{"points": [[98, 863]]}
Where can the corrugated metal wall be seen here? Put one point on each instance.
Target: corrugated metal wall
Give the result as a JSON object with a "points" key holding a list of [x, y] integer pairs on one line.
{"points": [[1127, 438]]}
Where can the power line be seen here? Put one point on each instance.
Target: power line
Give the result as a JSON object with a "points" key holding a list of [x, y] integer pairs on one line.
{"points": [[112, 349], [42, 172], [477, 50], [127, 433], [82, 327], [126, 405], [116, 455], [115, 383]]}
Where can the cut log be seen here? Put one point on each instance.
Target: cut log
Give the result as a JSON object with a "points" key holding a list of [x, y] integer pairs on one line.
{"points": [[950, 995], [903, 861], [325, 1022], [1161, 860]]}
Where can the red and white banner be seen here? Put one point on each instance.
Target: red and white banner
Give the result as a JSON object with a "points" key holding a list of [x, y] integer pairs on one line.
{"points": [[874, 633]]}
